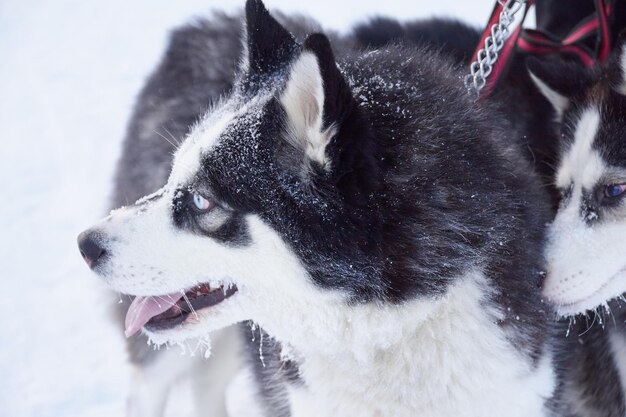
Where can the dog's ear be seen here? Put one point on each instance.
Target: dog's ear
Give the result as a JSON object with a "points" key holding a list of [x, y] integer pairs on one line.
{"points": [[320, 107], [559, 81], [618, 64], [549, 80], [267, 45]]}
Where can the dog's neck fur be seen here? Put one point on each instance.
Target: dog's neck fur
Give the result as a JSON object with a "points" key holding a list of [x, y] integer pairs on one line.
{"points": [[616, 335], [368, 360], [617, 340]]}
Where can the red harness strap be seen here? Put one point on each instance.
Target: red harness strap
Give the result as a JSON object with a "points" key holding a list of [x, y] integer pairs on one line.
{"points": [[534, 42]]}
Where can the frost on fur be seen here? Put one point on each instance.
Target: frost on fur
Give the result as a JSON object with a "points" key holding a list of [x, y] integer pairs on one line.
{"points": [[419, 232]]}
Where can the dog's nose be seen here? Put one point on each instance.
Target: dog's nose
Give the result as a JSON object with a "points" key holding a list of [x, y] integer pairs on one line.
{"points": [[90, 248]]}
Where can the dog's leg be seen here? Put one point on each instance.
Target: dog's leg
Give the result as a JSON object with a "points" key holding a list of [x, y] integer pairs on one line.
{"points": [[154, 377], [211, 377], [242, 396], [152, 382]]}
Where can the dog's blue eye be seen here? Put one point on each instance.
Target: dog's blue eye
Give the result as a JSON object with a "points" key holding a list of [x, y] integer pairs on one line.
{"points": [[614, 190], [200, 203]]}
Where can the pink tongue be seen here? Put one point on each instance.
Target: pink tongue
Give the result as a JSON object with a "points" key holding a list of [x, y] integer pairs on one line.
{"points": [[142, 309]]}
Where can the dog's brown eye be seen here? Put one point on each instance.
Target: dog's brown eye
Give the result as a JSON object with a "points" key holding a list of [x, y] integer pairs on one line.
{"points": [[200, 203]]}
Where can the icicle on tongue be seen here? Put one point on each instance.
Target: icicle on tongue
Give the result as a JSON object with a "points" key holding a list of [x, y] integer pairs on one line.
{"points": [[142, 309]]}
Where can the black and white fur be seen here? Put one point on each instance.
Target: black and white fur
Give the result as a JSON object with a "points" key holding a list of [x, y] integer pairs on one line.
{"points": [[375, 221], [589, 226], [586, 276], [196, 70], [174, 97]]}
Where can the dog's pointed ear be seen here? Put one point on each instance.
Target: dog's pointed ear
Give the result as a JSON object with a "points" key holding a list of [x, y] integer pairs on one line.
{"points": [[545, 76], [267, 45], [558, 81], [318, 102]]}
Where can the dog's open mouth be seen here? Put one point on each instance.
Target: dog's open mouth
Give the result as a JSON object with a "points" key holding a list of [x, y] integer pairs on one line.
{"points": [[167, 311]]}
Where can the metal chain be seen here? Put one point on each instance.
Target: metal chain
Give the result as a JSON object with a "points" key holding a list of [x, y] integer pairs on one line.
{"points": [[487, 56]]}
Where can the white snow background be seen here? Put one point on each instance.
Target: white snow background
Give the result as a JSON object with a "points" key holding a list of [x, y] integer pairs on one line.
{"points": [[69, 73]]}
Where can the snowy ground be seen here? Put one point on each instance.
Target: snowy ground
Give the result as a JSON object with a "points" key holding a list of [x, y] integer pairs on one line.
{"points": [[69, 73]]}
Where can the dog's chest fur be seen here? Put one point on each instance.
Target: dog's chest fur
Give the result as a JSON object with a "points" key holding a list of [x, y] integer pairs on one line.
{"points": [[456, 361]]}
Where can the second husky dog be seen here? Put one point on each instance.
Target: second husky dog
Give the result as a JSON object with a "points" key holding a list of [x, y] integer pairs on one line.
{"points": [[373, 219], [586, 271]]}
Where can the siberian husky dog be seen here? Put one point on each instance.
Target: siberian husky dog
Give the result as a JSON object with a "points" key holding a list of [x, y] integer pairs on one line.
{"points": [[196, 69], [585, 251], [368, 215], [586, 270], [168, 104]]}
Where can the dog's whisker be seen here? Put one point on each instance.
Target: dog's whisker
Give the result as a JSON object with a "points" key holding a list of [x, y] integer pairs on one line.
{"points": [[190, 306], [166, 139], [166, 300], [177, 141], [589, 326]]}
